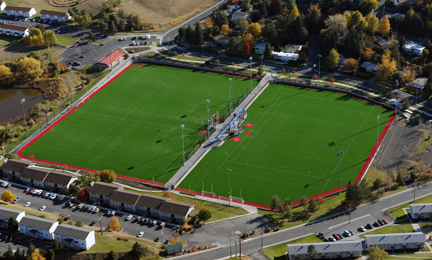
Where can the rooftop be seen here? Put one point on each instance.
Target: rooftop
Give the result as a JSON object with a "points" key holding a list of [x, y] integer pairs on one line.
{"points": [[125, 196], [14, 27], [17, 8], [59, 178], [34, 173], [174, 207], [6, 213], [103, 188], [421, 208], [328, 247], [14, 164], [49, 12], [397, 238], [73, 231], [36, 222], [290, 48], [108, 59]]}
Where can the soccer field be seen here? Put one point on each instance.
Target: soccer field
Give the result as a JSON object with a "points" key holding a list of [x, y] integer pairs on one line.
{"points": [[291, 149], [133, 125]]}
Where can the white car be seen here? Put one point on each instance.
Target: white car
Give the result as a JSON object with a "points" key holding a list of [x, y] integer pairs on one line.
{"points": [[26, 190], [346, 233], [53, 196], [27, 204], [46, 194], [42, 208], [362, 229], [332, 239], [5, 183], [62, 197], [129, 218], [140, 234], [113, 213]]}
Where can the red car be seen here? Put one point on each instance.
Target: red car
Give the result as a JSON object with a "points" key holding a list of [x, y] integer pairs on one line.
{"points": [[76, 63], [336, 236], [377, 224], [31, 191], [10, 22], [385, 221]]}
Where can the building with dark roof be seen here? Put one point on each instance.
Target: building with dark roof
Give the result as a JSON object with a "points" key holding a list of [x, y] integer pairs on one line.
{"points": [[150, 204], [174, 210], [36, 227], [58, 180], [123, 199], [19, 11], [13, 168], [75, 237], [6, 213], [54, 15], [101, 192], [14, 30], [34, 176]]}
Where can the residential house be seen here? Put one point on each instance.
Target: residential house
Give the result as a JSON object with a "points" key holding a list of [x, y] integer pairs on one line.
{"points": [[413, 48], [34, 176], [54, 16], [58, 180], [6, 213], [260, 47], [110, 60], [419, 211], [415, 240], [101, 191], [2, 6], [36, 227], [382, 42], [238, 14], [173, 211], [221, 39], [396, 15], [419, 83], [369, 67], [292, 48], [397, 2], [75, 237], [352, 249], [14, 30], [19, 11], [13, 168], [150, 204], [123, 199], [285, 57]]}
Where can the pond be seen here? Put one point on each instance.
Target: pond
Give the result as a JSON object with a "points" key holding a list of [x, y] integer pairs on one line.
{"points": [[10, 105]]}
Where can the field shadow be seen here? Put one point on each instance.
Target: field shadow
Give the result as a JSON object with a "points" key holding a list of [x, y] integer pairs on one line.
{"points": [[333, 143]]}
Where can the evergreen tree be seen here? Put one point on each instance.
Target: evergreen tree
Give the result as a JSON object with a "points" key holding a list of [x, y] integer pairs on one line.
{"points": [[182, 32], [427, 91], [112, 255], [246, 5], [260, 70], [12, 224], [300, 32], [313, 21], [313, 206], [10, 254], [122, 25], [269, 32], [189, 34], [353, 44], [331, 41], [121, 14], [312, 252], [30, 250], [92, 37], [198, 34], [275, 203], [137, 251], [56, 245], [112, 27], [49, 254], [400, 179], [416, 25], [19, 255], [103, 26], [220, 18]]}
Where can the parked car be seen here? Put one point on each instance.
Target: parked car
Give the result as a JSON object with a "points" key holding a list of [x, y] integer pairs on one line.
{"points": [[340, 236], [93, 223], [369, 226], [352, 233], [138, 219], [101, 45], [377, 224], [346, 233], [167, 241], [113, 213], [30, 191], [140, 234], [42, 208], [62, 197], [108, 212], [8, 185], [53, 197], [76, 63], [332, 239], [384, 221], [46, 194], [157, 239], [15, 200], [129, 218], [82, 56], [27, 204], [4, 184], [10, 22], [26, 190], [336, 237]]}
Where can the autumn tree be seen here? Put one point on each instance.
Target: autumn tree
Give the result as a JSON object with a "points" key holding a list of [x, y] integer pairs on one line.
{"points": [[337, 22], [386, 68], [30, 68], [408, 75], [5, 75], [356, 19], [368, 54], [350, 65], [108, 176], [248, 38], [372, 24], [174, 238], [321, 200], [384, 27], [204, 215], [333, 58], [369, 5], [7, 196], [36, 255], [376, 253], [255, 30], [241, 25], [114, 223], [83, 20], [56, 245], [294, 13], [168, 194], [208, 23], [304, 202], [225, 29], [276, 6], [79, 223], [83, 194], [49, 38]]}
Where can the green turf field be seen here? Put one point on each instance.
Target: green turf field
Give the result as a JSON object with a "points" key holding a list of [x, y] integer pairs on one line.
{"points": [[132, 125], [292, 150]]}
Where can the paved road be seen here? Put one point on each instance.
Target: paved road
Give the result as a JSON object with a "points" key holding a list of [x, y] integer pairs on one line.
{"points": [[359, 217]]}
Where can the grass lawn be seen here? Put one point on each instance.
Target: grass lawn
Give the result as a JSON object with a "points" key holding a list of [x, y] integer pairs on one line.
{"points": [[405, 228], [424, 142], [151, 53], [132, 125], [65, 40], [278, 252], [219, 211], [291, 150], [398, 213]]}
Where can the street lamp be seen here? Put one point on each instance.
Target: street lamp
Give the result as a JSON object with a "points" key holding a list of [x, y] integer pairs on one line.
{"points": [[230, 92], [181, 127], [70, 83], [340, 153], [109, 46], [229, 186], [250, 62], [416, 97], [377, 132], [319, 66], [22, 103], [354, 72], [208, 118]]}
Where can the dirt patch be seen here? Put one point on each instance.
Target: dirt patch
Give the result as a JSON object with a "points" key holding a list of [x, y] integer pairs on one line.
{"points": [[137, 49], [158, 12]]}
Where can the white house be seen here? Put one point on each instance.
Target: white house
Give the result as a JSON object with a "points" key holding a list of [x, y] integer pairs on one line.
{"points": [[101, 191], [292, 48], [415, 240], [58, 180], [13, 168], [34, 176], [419, 211], [174, 211], [413, 48], [326, 250], [238, 14], [260, 47], [75, 237], [285, 56], [54, 16], [2, 6], [6, 213], [419, 83], [40, 228], [123, 199], [19, 11], [14, 30], [369, 67], [396, 15]]}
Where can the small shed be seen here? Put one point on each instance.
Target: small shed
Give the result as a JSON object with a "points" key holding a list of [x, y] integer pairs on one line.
{"points": [[174, 248]]}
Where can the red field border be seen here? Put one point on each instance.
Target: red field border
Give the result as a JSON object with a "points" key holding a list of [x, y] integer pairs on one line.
{"points": [[20, 151]]}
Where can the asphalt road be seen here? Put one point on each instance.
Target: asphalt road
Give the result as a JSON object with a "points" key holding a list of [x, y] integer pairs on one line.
{"points": [[368, 213]]}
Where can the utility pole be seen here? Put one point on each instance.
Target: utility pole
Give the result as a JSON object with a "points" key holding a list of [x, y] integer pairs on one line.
{"points": [[100, 220], [262, 231], [240, 247], [230, 249]]}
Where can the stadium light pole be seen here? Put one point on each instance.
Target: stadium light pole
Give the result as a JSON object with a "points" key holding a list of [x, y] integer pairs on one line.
{"points": [[181, 127], [70, 82], [377, 132], [22, 103], [208, 118], [340, 153], [230, 92], [250, 63], [229, 186]]}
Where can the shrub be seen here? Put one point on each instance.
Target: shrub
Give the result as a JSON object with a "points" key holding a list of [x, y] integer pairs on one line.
{"points": [[122, 238], [268, 229]]}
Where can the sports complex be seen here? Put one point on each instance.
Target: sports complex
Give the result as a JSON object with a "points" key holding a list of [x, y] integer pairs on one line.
{"points": [[289, 145]]}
